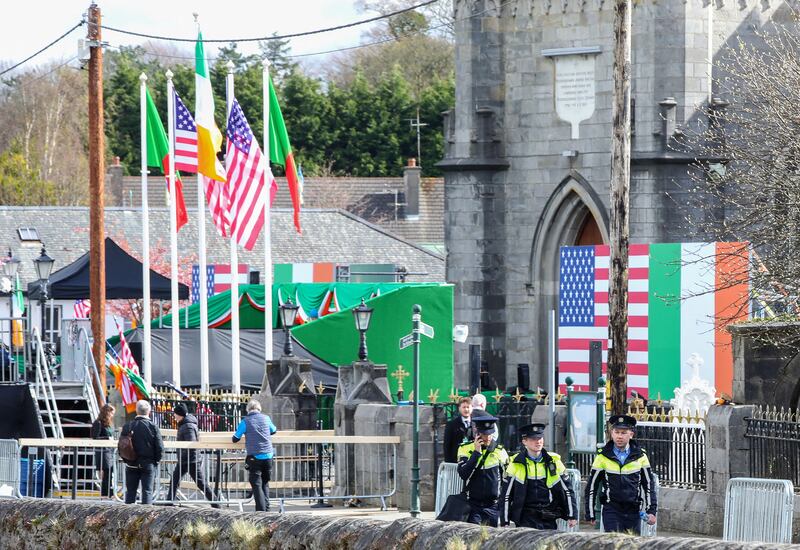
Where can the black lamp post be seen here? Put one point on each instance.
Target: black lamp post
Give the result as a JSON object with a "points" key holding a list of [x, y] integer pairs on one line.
{"points": [[44, 266], [288, 317], [10, 268], [362, 315]]}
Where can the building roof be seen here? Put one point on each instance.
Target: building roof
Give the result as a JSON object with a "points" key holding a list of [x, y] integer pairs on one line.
{"points": [[328, 236], [374, 199]]}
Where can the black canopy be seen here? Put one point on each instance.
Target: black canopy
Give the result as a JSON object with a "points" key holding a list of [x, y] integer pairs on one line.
{"points": [[123, 279]]}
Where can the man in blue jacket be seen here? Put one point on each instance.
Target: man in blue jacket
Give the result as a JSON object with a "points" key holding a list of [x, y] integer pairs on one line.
{"points": [[257, 429]]}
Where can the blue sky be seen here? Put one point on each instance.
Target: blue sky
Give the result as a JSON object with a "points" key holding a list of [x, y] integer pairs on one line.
{"points": [[27, 28]]}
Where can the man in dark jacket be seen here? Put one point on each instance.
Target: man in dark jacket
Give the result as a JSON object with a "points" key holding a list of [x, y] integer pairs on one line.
{"points": [[188, 460], [481, 464], [458, 430], [631, 482], [537, 490], [257, 430], [149, 449]]}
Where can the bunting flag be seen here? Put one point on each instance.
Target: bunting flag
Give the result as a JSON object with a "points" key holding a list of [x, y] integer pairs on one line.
{"points": [[123, 383], [158, 156], [82, 309]]}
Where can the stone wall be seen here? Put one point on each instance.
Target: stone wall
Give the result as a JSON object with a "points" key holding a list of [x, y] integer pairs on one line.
{"points": [[36, 523]]}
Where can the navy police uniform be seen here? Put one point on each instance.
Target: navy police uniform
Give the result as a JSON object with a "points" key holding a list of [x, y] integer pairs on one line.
{"points": [[537, 490], [484, 470], [625, 482]]}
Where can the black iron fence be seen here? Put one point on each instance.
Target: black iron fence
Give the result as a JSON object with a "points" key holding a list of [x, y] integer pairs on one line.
{"points": [[774, 444], [215, 412], [675, 446]]}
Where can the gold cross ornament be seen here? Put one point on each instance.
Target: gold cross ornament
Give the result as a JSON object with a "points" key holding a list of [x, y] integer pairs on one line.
{"points": [[497, 395], [433, 396], [302, 387], [517, 396], [453, 395], [400, 374], [320, 388]]}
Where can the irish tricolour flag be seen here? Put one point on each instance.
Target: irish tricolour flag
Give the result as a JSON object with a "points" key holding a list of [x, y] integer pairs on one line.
{"points": [[681, 297]]}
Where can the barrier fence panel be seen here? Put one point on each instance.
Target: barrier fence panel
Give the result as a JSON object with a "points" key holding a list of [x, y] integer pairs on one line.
{"points": [[774, 438], [574, 477], [448, 482], [308, 465], [758, 510], [9, 468]]}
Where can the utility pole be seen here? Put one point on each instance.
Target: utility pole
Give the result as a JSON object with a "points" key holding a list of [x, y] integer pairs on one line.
{"points": [[417, 125], [620, 202], [97, 252]]}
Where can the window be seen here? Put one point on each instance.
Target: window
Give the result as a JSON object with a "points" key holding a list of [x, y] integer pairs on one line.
{"points": [[28, 234], [52, 325]]}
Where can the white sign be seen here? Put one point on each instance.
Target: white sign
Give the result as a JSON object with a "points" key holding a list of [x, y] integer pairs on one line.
{"points": [[574, 89], [427, 330], [406, 341]]}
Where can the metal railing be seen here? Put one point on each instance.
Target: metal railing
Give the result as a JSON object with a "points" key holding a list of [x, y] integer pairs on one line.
{"points": [[44, 386], [774, 437], [308, 465], [758, 510], [90, 374], [14, 354]]}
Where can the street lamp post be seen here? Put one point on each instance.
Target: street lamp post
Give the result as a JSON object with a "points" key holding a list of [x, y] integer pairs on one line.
{"points": [[288, 316], [44, 266], [10, 268], [362, 315]]}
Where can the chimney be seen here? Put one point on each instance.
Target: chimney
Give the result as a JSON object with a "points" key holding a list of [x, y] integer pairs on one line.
{"points": [[114, 192], [411, 177]]}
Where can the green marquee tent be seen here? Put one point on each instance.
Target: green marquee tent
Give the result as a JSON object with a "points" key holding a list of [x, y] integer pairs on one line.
{"points": [[333, 337]]}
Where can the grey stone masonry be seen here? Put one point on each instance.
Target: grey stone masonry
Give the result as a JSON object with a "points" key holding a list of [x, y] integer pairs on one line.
{"points": [[288, 394], [518, 186]]}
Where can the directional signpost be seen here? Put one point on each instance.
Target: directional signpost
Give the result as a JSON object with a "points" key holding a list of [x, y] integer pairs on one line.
{"points": [[418, 327]]}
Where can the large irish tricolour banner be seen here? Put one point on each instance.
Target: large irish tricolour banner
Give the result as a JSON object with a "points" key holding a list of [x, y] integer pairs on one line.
{"points": [[681, 297]]}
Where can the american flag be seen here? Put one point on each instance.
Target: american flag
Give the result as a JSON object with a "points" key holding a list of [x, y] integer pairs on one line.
{"points": [[246, 170], [218, 279], [82, 309], [185, 138], [217, 199], [583, 313]]}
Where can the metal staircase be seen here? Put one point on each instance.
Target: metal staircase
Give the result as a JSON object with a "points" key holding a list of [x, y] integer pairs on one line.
{"points": [[67, 409]]}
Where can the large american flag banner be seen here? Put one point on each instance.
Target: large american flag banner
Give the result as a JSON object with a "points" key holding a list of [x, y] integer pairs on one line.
{"points": [[218, 279], [583, 313], [246, 170], [185, 138]]}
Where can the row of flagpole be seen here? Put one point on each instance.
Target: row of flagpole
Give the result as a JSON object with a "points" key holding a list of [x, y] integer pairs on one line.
{"points": [[202, 257]]}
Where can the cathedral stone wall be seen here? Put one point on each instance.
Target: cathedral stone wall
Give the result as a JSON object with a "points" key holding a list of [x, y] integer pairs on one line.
{"points": [[519, 184]]}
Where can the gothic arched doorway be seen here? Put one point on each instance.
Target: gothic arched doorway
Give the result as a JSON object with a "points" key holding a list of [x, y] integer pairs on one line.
{"points": [[574, 215]]}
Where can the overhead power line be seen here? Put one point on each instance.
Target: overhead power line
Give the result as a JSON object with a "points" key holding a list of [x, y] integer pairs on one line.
{"points": [[54, 42], [281, 37]]}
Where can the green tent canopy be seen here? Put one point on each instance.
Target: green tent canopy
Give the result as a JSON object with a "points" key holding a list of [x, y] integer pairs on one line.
{"points": [[310, 296], [333, 336]]}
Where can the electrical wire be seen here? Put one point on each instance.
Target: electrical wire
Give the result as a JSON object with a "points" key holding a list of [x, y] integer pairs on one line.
{"points": [[25, 83], [266, 38], [54, 42], [347, 48]]}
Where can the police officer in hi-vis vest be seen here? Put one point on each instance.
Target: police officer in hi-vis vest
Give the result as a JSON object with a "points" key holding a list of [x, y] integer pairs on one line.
{"points": [[537, 490], [483, 462], [622, 476]]}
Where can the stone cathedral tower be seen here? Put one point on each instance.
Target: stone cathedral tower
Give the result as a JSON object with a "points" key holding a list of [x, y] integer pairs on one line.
{"points": [[528, 148]]}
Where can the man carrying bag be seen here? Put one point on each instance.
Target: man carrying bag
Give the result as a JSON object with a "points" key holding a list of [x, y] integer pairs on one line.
{"points": [[481, 464]]}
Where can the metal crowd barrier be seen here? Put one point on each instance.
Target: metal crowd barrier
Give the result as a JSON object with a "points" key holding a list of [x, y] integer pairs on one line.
{"points": [[308, 465], [574, 477], [758, 510], [645, 529], [448, 482], [9, 468]]}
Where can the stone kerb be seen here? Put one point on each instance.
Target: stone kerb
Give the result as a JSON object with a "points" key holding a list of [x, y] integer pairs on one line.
{"points": [[39, 523]]}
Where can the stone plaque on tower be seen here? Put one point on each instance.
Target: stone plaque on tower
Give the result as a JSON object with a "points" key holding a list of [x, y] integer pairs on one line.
{"points": [[574, 88]]}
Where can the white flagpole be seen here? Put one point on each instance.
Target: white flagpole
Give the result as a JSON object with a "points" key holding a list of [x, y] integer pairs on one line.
{"points": [[267, 222], [146, 357], [235, 376], [203, 267], [173, 237]]}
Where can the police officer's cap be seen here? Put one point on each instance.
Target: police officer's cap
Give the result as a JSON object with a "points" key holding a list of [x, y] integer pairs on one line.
{"points": [[534, 431], [622, 421], [484, 424]]}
